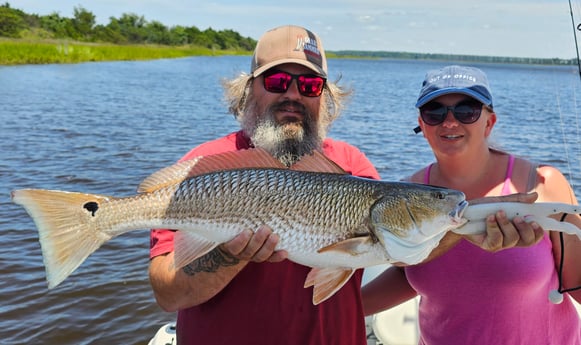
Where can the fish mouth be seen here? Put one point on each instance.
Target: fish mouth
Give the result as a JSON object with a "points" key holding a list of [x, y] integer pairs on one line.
{"points": [[457, 213]]}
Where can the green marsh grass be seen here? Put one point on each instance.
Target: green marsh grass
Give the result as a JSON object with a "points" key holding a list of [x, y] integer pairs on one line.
{"points": [[18, 52]]}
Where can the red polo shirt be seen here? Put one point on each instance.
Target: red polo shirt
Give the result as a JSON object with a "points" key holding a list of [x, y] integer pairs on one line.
{"points": [[266, 303]]}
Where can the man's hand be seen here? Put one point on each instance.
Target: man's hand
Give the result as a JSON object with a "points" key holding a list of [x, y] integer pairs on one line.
{"points": [[256, 246]]}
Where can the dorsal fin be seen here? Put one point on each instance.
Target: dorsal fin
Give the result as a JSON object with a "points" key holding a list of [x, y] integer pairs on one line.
{"points": [[174, 174], [168, 176], [242, 159], [317, 162]]}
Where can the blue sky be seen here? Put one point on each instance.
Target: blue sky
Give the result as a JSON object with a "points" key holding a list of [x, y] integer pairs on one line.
{"points": [[531, 28]]}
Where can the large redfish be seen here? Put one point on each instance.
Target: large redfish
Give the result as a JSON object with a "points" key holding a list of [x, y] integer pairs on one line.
{"points": [[326, 219]]}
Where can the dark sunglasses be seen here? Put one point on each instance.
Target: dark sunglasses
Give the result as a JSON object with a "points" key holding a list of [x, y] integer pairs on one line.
{"points": [[310, 85], [466, 112]]}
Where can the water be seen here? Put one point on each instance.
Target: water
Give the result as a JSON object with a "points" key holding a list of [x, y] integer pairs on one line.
{"points": [[103, 127]]}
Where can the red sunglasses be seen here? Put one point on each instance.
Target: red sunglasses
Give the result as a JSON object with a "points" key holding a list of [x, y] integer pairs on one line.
{"points": [[310, 85]]}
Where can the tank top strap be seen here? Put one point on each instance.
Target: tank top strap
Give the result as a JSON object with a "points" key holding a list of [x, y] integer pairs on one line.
{"points": [[532, 181], [507, 179], [427, 174]]}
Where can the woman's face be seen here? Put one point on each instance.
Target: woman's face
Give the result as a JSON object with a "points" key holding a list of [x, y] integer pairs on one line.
{"points": [[452, 137]]}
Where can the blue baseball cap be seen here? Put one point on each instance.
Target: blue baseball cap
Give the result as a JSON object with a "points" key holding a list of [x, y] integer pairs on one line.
{"points": [[470, 81]]}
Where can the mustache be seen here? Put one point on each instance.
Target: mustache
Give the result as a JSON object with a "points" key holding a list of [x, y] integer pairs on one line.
{"points": [[299, 107]]}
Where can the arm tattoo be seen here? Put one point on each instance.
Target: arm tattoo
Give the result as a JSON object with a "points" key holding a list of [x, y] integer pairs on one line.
{"points": [[210, 262]]}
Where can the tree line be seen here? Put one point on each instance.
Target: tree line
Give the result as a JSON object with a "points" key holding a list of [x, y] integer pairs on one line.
{"points": [[454, 57], [129, 28]]}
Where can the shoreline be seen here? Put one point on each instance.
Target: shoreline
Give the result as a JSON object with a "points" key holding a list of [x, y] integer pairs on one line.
{"points": [[51, 51], [29, 52]]}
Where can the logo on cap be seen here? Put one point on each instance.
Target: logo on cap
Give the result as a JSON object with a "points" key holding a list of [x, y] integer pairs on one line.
{"points": [[308, 45], [453, 76]]}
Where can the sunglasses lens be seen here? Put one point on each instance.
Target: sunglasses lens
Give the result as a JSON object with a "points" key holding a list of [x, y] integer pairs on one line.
{"points": [[311, 86], [277, 82], [467, 112], [433, 113]]}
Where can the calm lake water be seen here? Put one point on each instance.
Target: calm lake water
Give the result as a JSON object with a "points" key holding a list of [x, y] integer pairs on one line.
{"points": [[103, 127]]}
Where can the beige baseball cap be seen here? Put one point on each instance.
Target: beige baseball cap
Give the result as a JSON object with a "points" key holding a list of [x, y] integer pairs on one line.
{"points": [[289, 44]]}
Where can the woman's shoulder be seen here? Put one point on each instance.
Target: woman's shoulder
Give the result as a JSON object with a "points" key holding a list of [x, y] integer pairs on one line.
{"points": [[551, 177], [419, 176], [545, 173], [552, 185]]}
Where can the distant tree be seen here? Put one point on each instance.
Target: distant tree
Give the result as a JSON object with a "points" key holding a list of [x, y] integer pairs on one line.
{"points": [[83, 22], [111, 32], [132, 27], [108, 33], [247, 43], [55, 24], [11, 22], [211, 37], [191, 33], [157, 33], [230, 39], [178, 36]]}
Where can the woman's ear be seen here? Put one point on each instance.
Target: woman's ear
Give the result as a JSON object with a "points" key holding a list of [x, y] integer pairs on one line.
{"points": [[490, 121]]}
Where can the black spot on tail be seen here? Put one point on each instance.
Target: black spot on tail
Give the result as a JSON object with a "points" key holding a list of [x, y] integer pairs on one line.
{"points": [[92, 207]]}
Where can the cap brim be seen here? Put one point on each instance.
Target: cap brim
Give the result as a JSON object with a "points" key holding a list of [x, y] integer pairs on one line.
{"points": [[447, 91]]}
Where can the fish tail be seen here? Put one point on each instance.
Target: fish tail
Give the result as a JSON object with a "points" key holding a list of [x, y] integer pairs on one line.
{"points": [[67, 227]]}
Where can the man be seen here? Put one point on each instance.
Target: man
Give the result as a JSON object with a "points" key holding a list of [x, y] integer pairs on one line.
{"points": [[244, 292]]}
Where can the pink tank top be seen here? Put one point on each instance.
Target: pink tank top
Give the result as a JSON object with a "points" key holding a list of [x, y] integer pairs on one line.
{"points": [[471, 296], [505, 187]]}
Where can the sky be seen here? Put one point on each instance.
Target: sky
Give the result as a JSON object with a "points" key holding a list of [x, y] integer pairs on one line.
{"points": [[514, 28]]}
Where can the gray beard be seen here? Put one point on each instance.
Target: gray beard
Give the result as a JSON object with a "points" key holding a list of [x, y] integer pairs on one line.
{"points": [[287, 142]]}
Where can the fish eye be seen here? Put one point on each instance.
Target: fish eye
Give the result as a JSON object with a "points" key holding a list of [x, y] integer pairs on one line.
{"points": [[440, 195]]}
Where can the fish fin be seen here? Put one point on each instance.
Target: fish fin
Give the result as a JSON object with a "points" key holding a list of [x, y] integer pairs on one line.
{"points": [[327, 281], [352, 245], [401, 250], [242, 159], [189, 246], [66, 229], [317, 162], [171, 175]]}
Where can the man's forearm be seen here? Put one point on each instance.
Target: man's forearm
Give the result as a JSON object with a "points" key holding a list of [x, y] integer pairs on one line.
{"points": [[194, 284]]}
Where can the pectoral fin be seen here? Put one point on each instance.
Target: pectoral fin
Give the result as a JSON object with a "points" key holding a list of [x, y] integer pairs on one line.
{"points": [[327, 281], [411, 253], [353, 246], [188, 247]]}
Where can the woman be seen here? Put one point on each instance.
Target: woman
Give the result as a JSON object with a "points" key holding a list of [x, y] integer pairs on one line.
{"points": [[469, 295]]}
